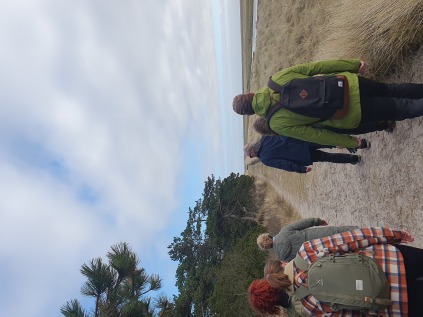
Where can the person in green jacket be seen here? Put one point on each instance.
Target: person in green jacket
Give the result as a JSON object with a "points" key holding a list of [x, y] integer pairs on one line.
{"points": [[369, 102]]}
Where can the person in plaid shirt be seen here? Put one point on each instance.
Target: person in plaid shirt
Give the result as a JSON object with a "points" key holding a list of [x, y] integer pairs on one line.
{"points": [[403, 266]]}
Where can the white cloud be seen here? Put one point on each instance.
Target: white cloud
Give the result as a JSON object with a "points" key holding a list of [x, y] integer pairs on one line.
{"points": [[97, 100], [44, 234]]}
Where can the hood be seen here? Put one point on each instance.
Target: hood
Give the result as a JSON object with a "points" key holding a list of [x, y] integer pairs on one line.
{"points": [[284, 250], [262, 101]]}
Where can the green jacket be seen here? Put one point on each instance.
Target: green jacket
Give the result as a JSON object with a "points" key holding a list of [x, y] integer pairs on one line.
{"points": [[294, 125]]}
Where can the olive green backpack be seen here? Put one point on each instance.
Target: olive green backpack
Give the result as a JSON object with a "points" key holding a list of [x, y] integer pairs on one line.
{"points": [[350, 281]]}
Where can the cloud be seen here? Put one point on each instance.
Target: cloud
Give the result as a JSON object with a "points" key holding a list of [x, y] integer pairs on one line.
{"points": [[44, 232], [105, 109], [107, 95]]}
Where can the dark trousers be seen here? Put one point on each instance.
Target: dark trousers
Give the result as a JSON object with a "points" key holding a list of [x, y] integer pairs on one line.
{"points": [[383, 102], [413, 261], [321, 156], [363, 128]]}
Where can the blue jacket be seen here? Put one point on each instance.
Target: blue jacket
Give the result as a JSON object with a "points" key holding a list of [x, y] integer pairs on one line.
{"points": [[286, 153]]}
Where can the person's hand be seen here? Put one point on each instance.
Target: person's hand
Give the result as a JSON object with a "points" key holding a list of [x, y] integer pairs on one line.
{"points": [[308, 169], [406, 237], [323, 222], [362, 68]]}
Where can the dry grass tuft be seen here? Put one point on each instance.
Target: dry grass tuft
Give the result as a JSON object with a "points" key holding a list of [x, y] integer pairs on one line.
{"points": [[274, 211], [293, 35], [382, 33]]}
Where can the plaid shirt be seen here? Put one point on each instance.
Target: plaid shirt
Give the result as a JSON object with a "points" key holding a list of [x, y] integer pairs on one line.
{"points": [[373, 242]]}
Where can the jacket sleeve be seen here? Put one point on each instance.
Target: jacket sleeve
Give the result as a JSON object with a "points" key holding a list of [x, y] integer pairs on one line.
{"points": [[285, 165], [314, 135], [338, 229], [302, 224], [283, 248], [320, 67], [349, 241]]}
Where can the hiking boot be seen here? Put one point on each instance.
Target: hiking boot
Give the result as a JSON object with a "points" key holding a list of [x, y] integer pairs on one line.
{"points": [[357, 161]]}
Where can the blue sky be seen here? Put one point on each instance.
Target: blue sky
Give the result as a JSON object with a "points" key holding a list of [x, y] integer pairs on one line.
{"points": [[113, 114]]}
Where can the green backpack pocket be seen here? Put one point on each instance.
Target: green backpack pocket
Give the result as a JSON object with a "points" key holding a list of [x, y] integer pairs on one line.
{"points": [[350, 281]]}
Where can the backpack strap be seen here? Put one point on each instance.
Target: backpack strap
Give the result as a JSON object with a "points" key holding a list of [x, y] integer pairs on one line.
{"points": [[380, 301], [274, 86], [296, 308], [302, 292], [271, 111], [277, 89], [301, 263]]}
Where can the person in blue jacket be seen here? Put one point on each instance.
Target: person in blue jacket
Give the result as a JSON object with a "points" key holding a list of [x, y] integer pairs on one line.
{"points": [[294, 155]]}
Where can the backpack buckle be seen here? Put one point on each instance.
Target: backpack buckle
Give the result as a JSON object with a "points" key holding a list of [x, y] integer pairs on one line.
{"points": [[335, 307]]}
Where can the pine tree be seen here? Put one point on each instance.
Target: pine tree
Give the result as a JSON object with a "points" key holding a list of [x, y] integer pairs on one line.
{"points": [[120, 287]]}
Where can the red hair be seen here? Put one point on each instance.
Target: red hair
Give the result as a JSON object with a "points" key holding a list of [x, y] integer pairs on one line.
{"points": [[263, 298]]}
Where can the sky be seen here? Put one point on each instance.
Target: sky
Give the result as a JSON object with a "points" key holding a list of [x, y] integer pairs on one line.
{"points": [[112, 115]]}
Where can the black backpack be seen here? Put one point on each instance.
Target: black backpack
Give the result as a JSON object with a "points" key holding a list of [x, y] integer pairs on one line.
{"points": [[320, 97]]}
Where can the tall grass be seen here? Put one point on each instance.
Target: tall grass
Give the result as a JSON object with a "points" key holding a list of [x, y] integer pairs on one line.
{"points": [[381, 32], [274, 211]]}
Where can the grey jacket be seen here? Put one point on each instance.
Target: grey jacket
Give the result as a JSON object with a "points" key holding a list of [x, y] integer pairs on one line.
{"points": [[289, 240]]}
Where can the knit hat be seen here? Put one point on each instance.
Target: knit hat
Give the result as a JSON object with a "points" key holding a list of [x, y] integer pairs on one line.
{"points": [[243, 104]]}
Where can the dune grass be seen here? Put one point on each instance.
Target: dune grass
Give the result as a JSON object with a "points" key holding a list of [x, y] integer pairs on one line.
{"points": [[382, 32]]}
